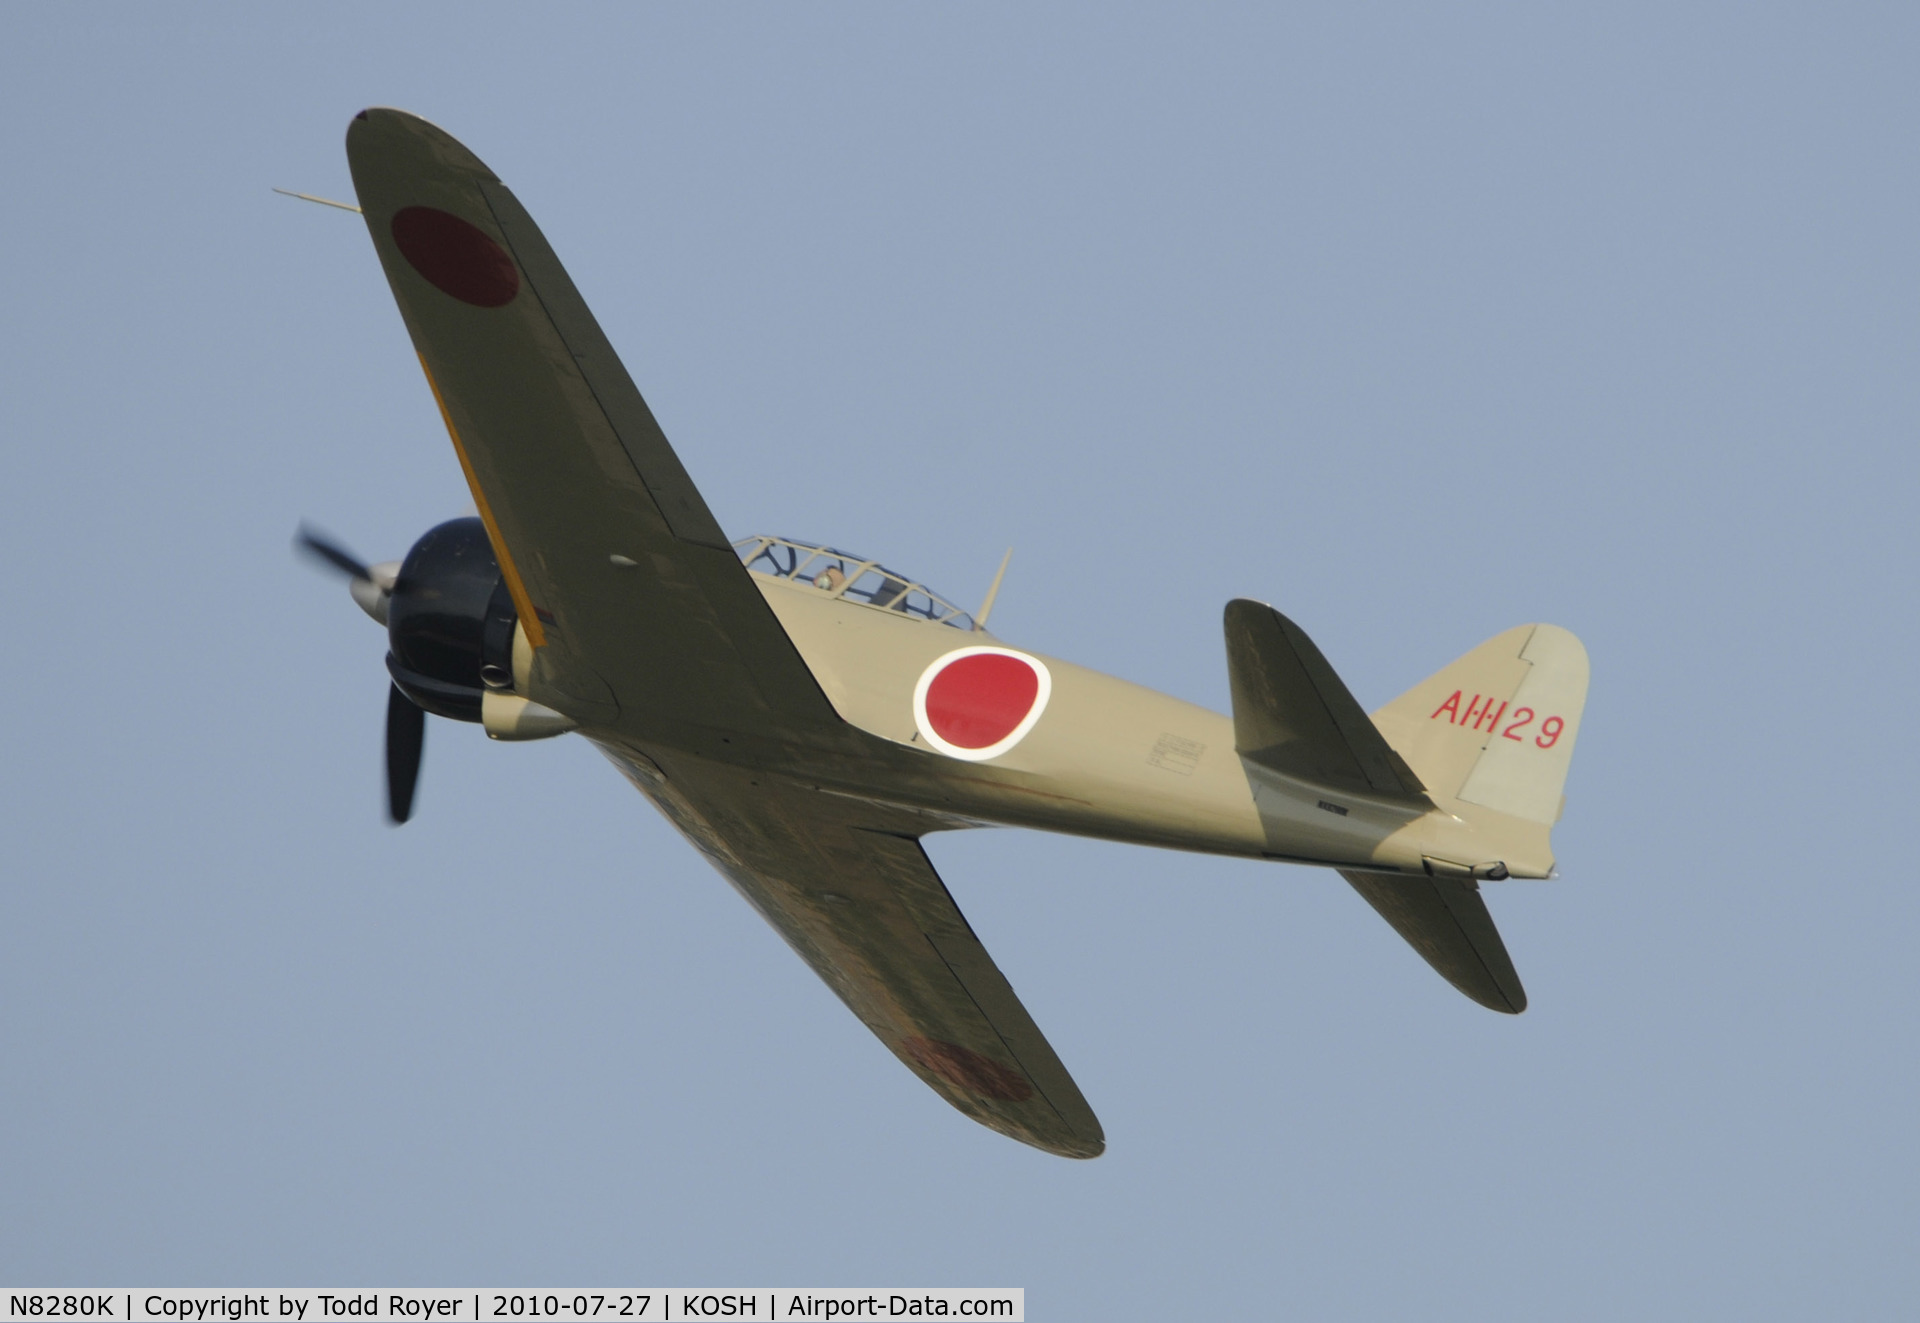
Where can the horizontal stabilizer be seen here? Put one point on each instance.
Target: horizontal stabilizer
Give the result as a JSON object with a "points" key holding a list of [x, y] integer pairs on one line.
{"points": [[1446, 921], [1293, 714]]}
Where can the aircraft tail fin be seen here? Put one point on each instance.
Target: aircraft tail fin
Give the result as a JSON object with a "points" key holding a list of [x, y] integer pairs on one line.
{"points": [[1491, 737], [1496, 729], [1487, 739]]}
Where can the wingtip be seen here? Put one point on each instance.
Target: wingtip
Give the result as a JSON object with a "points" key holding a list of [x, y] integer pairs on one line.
{"points": [[372, 113], [1077, 1147], [1075, 1144], [392, 126], [1489, 990]]}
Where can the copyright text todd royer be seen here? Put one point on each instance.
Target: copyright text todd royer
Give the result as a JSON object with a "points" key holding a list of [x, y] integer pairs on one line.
{"points": [[470, 1305]]}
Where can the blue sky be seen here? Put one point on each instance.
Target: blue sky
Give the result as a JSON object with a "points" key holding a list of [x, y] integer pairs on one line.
{"points": [[1417, 324]]}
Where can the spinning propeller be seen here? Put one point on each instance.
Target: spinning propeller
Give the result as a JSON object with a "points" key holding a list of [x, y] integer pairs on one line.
{"points": [[372, 588]]}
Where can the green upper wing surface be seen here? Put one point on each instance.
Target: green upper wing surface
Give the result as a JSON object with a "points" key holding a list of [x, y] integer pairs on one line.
{"points": [[567, 464], [848, 886]]}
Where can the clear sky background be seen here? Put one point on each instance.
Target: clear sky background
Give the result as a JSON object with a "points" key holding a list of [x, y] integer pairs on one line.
{"points": [[1419, 322]]}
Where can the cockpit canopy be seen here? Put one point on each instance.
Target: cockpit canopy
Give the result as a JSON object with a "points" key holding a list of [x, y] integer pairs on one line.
{"points": [[848, 578]]}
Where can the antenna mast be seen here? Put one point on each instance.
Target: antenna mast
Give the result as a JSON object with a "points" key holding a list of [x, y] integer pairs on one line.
{"points": [[986, 607]]}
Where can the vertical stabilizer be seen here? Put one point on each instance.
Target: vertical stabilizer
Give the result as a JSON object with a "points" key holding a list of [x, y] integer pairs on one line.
{"points": [[1496, 729]]}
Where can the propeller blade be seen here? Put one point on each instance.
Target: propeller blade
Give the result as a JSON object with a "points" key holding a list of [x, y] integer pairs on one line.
{"points": [[317, 544], [406, 732]]}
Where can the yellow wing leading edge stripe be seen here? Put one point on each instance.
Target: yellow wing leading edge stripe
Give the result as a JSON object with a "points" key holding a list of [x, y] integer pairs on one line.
{"points": [[529, 617]]}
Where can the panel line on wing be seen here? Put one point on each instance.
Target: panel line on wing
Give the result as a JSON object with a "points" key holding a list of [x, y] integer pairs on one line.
{"points": [[1026, 1068], [988, 990], [628, 415], [967, 987]]}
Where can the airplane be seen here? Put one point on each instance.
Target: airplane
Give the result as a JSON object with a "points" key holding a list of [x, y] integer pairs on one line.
{"points": [[805, 715]]}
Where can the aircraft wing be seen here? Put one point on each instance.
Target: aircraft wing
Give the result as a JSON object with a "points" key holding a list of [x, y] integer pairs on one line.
{"points": [[859, 900], [637, 608], [644, 618]]}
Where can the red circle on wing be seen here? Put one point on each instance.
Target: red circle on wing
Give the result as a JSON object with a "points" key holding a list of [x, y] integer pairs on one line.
{"points": [[456, 257], [977, 701]]}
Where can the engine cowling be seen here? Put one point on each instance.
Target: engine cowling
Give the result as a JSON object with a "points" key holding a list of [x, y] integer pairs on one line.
{"points": [[450, 622], [454, 644]]}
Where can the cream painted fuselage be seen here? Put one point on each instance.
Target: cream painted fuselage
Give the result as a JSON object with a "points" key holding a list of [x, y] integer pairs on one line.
{"points": [[1106, 758]]}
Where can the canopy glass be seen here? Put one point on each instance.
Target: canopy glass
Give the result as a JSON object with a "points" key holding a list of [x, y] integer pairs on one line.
{"points": [[848, 578]]}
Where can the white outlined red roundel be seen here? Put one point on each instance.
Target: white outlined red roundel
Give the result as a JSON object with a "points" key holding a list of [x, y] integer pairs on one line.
{"points": [[976, 703]]}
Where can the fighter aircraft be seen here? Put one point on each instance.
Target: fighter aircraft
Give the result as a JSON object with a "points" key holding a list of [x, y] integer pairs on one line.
{"points": [[805, 715]]}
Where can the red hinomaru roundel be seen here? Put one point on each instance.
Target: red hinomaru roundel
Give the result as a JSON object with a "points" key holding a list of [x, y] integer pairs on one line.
{"points": [[976, 703], [456, 257]]}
